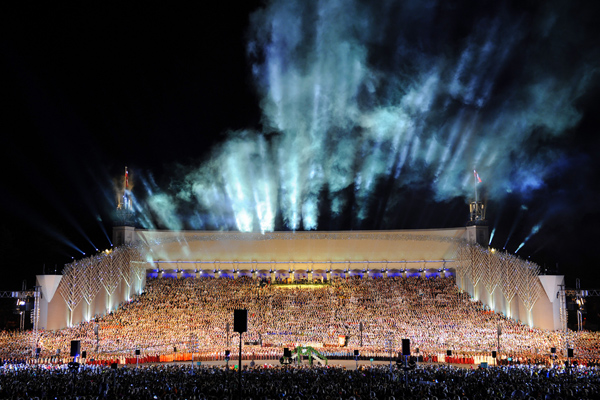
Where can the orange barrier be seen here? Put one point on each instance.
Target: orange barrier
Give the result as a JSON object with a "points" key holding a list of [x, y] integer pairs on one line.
{"points": [[459, 360]]}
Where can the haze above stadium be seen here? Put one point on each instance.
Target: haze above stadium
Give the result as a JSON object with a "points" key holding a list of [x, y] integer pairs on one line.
{"points": [[302, 115]]}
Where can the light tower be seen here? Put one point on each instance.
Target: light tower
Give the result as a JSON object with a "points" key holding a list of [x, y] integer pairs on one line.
{"points": [[477, 226], [124, 229]]}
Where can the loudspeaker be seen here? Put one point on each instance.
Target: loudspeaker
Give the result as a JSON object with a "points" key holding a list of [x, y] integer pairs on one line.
{"points": [[75, 348], [406, 347], [449, 353], [113, 366], [287, 352], [553, 350], [137, 352], [570, 353], [84, 354], [361, 327], [38, 350], [356, 353], [227, 353], [174, 349], [240, 321], [493, 353]]}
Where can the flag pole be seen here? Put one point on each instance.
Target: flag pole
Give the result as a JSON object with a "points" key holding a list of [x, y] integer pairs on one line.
{"points": [[475, 185]]}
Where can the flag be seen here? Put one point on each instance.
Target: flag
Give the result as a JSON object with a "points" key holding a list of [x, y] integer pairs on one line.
{"points": [[477, 176]]}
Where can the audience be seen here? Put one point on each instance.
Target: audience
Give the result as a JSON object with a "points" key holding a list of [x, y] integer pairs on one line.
{"points": [[191, 315], [262, 383]]}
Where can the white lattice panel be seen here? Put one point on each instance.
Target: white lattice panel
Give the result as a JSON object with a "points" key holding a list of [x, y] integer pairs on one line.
{"points": [[479, 261], [510, 276], [109, 273], [70, 286], [493, 273], [529, 288], [90, 284]]}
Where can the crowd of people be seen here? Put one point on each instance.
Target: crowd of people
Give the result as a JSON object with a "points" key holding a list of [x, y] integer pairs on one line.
{"points": [[195, 315], [264, 383]]}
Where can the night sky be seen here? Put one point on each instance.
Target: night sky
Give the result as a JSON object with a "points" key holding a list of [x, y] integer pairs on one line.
{"points": [[301, 115]]}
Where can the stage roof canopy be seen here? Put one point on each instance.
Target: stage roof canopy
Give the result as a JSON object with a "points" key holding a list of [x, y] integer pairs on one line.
{"points": [[353, 246]]}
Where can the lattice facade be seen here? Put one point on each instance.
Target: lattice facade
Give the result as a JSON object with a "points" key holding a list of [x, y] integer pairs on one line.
{"points": [[84, 279], [71, 285], [496, 269], [493, 274], [90, 282], [528, 285]]}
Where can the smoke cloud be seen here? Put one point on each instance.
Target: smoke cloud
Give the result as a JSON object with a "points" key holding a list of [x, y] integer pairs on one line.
{"points": [[363, 98]]}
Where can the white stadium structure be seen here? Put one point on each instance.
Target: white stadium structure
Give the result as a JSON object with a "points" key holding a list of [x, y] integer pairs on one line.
{"points": [[97, 285]]}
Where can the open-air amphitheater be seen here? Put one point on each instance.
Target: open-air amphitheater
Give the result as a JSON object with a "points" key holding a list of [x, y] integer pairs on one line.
{"points": [[96, 285], [440, 288]]}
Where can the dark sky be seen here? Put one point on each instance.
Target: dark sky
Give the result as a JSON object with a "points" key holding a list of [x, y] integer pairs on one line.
{"points": [[179, 94]]}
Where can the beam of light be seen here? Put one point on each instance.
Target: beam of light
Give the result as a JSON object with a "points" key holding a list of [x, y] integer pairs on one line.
{"points": [[99, 220], [359, 94], [534, 230], [44, 226], [516, 221], [492, 236], [520, 246]]}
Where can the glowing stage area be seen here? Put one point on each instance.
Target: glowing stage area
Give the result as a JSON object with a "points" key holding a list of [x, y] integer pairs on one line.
{"points": [[95, 286]]}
